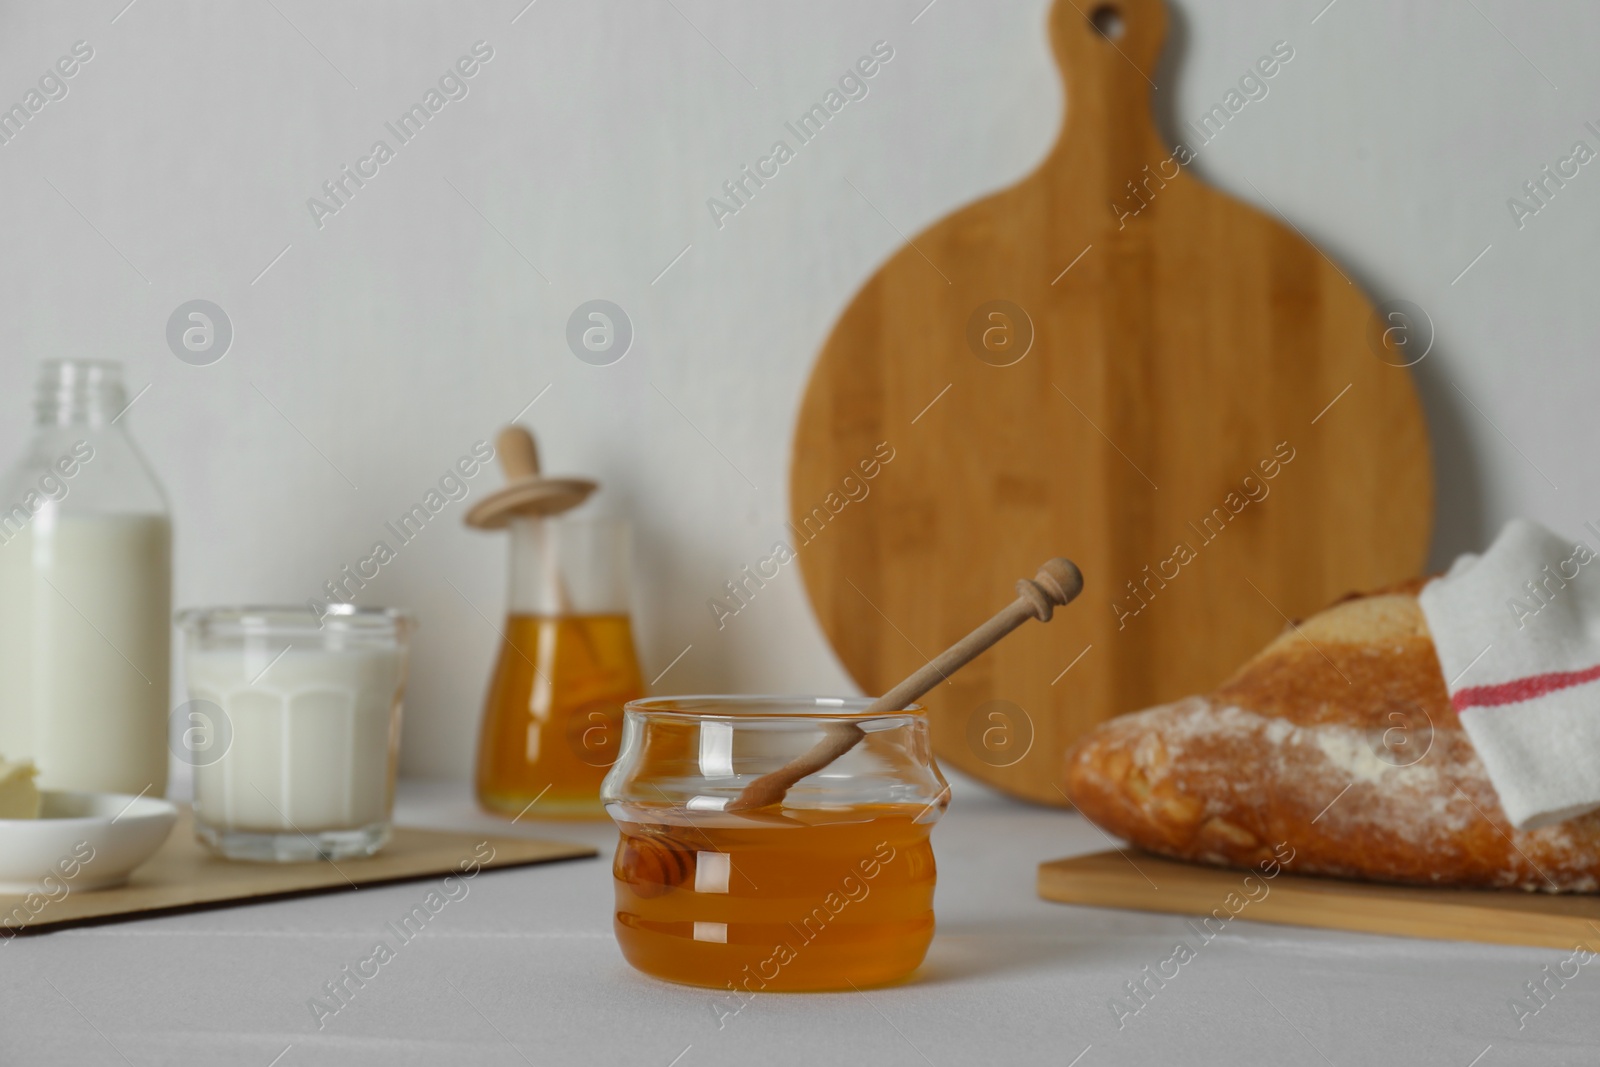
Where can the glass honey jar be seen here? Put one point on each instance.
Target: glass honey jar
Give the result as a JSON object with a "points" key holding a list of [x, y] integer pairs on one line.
{"points": [[830, 888], [552, 717]]}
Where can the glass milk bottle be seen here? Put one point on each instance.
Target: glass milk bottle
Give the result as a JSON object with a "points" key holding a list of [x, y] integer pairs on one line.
{"points": [[85, 593], [552, 719]]}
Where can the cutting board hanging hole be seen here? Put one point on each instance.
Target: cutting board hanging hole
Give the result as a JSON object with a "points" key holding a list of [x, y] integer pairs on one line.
{"points": [[1107, 21]]}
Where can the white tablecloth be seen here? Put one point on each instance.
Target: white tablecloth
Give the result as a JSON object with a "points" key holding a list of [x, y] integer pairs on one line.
{"points": [[524, 970]]}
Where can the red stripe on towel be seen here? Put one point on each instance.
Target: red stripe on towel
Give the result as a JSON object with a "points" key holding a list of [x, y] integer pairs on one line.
{"points": [[1535, 685]]}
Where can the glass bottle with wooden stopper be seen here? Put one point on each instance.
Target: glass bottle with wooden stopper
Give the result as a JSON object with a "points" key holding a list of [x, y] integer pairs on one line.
{"points": [[552, 717]]}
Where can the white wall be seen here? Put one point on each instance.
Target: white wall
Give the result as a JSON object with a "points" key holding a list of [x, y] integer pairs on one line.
{"points": [[409, 326]]}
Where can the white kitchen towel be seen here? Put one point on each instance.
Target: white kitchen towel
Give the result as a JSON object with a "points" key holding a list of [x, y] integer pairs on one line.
{"points": [[1518, 635]]}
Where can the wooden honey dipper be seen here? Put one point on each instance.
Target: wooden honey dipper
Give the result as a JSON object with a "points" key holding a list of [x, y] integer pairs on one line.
{"points": [[656, 861], [1056, 584]]}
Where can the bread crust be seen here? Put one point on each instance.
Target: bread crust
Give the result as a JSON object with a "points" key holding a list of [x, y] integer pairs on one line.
{"points": [[1338, 738]]}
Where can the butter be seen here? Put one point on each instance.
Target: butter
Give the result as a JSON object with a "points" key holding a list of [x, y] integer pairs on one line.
{"points": [[19, 797]]}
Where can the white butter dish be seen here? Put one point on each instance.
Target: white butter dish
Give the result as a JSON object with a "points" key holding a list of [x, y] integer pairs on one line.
{"points": [[80, 842]]}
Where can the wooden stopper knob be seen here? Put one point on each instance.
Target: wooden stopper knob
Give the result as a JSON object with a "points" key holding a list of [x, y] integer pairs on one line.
{"points": [[526, 492], [519, 456]]}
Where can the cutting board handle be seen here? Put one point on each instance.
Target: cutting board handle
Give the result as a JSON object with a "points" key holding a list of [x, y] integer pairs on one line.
{"points": [[1107, 50]]}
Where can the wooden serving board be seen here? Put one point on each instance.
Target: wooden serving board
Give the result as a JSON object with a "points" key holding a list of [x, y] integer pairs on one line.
{"points": [[182, 875], [1508, 917], [1153, 362]]}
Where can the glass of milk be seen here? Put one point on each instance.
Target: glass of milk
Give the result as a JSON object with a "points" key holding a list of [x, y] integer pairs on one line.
{"points": [[293, 728]]}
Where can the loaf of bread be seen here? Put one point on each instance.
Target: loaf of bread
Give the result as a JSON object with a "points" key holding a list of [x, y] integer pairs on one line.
{"points": [[1340, 740]]}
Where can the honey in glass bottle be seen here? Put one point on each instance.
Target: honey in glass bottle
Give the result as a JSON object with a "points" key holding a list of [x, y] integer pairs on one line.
{"points": [[552, 718]]}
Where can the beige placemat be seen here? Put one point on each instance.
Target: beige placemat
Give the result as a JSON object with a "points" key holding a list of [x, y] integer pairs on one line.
{"points": [[183, 875]]}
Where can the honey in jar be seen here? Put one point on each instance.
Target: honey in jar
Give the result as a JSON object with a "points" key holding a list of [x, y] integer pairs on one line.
{"points": [[566, 664], [807, 900], [830, 889], [552, 721]]}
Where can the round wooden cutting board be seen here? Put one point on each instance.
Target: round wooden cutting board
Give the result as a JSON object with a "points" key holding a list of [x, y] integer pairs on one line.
{"points": [[1117, 365]]}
